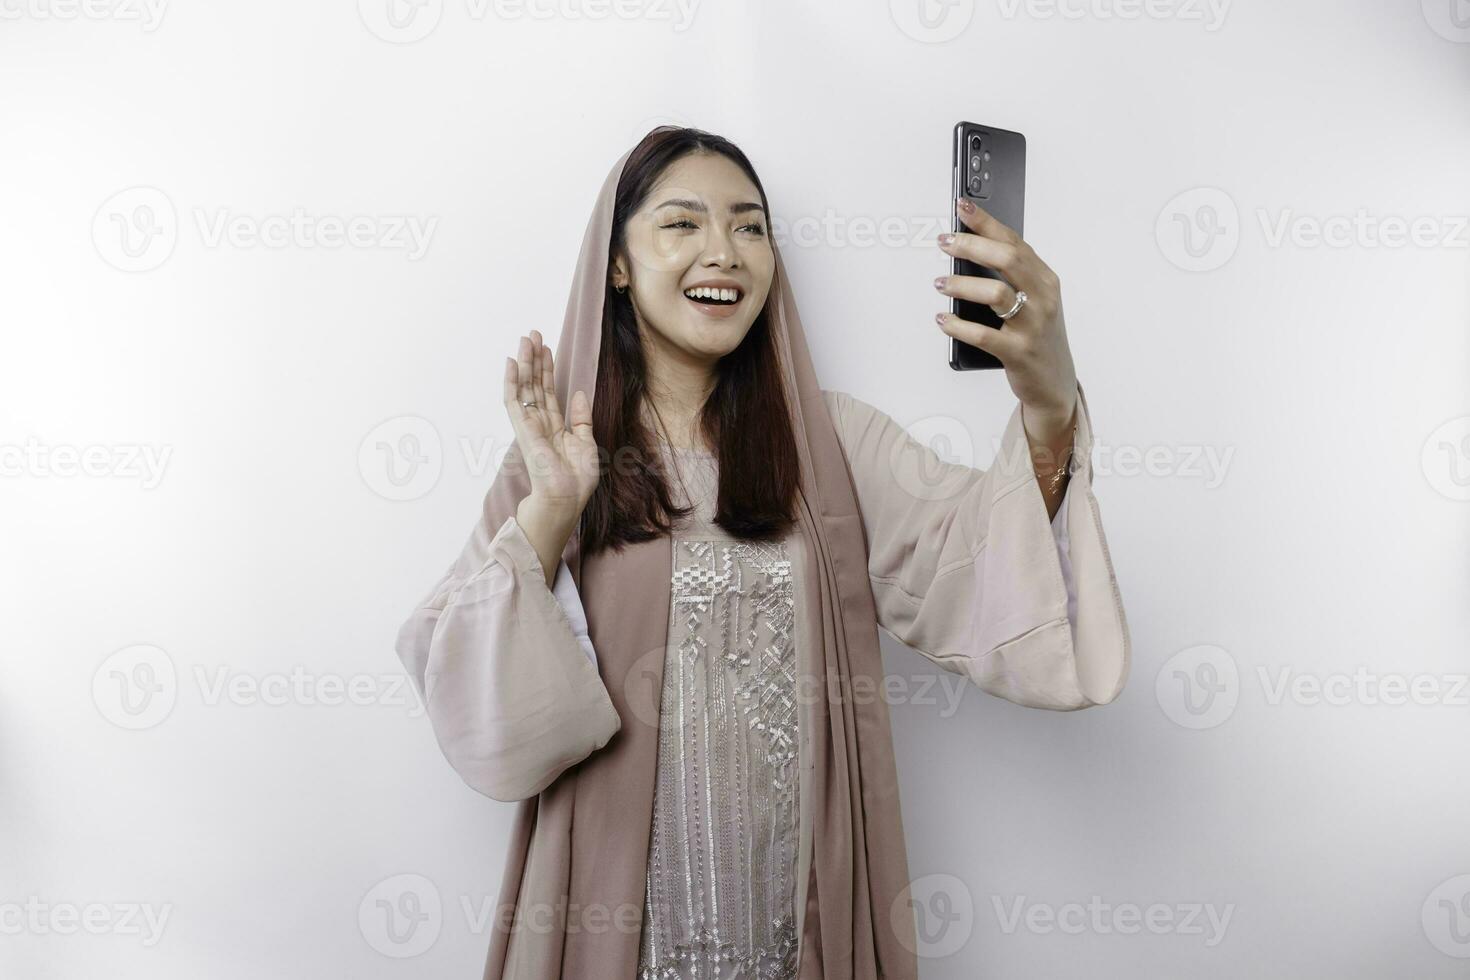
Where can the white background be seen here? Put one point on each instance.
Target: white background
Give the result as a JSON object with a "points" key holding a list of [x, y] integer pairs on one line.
{"points": [[1329, 381]]}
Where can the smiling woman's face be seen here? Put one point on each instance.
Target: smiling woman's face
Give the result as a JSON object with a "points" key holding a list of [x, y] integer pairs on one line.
{"points": [[702, 224]]}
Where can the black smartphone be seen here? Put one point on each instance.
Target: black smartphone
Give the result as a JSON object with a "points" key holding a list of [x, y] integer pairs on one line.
{"points": [[989, 167]]}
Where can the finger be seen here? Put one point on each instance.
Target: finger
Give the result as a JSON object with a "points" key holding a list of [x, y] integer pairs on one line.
{"points": [[1004, 257], [538, 359], [510, 394], [982, 222], [988, 339], [523, 370], [508, 388], [997, 294], [548, 386]]}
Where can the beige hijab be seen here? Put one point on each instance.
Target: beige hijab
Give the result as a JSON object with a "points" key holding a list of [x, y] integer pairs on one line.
{"points": [[573, 891]]}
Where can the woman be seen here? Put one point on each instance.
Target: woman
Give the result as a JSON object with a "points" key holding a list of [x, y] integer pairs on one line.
{"points": [[662, 636]]}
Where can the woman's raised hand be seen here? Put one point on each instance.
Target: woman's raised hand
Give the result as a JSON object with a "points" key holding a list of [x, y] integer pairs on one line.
{"points": [[560, 455]]}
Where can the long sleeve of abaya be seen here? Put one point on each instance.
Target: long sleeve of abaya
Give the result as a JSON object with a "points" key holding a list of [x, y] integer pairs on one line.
{"points": [[967, 570], [505, 668]]}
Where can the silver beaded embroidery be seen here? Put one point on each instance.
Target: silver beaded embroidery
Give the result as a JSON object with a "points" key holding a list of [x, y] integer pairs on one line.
{"points": [[720, 900]]}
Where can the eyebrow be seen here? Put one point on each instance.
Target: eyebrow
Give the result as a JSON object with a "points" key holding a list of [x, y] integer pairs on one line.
{"points": [[741, 208]]}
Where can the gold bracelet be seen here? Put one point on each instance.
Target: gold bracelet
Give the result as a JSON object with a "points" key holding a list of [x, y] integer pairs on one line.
{"points": [[1066, 468]]}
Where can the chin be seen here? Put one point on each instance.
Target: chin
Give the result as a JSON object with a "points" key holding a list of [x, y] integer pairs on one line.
{"points": [[712, 347], [716, 338]]}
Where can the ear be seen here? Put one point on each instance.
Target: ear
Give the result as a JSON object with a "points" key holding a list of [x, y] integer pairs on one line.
{"points": [[618, 274]]}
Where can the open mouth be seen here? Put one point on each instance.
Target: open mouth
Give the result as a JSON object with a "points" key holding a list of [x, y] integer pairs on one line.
{"points": [[705, 296]]}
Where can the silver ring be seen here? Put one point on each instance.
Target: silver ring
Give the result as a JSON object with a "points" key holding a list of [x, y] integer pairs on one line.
{"points": [[528, 404], [1020, 302]]}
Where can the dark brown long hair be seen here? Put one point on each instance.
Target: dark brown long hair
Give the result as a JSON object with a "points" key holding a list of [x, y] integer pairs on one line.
{"points": [[746, 416]]}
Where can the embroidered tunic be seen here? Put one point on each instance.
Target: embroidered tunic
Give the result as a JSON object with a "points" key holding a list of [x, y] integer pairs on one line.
{"points": [[722, 860]]}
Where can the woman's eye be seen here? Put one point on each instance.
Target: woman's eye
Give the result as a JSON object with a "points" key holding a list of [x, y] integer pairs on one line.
{"points": [[686, 223]]}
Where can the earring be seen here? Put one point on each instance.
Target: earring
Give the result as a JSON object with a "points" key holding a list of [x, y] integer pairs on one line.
{"points": [[621, 289]]}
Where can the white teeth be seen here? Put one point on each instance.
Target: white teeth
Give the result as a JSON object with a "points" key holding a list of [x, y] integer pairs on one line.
{"points": [[704, 292]]}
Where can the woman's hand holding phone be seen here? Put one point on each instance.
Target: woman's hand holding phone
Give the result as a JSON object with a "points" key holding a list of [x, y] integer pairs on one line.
{"points": [[560, 454], [1033, 344]]}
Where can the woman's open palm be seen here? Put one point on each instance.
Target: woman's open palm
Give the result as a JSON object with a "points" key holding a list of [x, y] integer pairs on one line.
{"points": [[560, 454]]}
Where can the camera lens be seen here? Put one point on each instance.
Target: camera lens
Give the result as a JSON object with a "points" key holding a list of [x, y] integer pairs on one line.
{"points": [[975, 144], [975, 184], [975, 162]]}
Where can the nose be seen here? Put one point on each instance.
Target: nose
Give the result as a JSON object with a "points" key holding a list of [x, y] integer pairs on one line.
{"points": [[719, 248]]}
